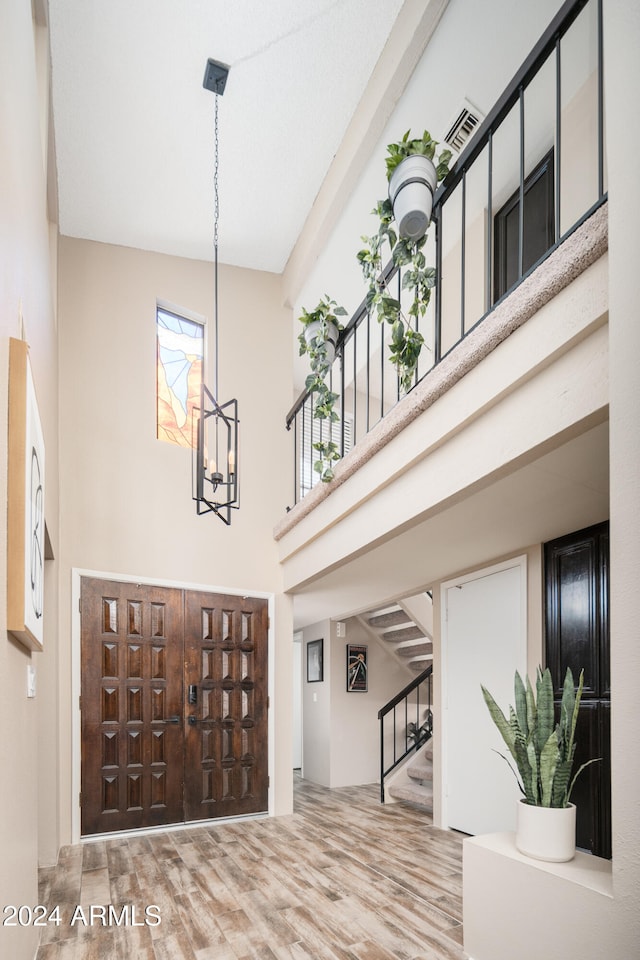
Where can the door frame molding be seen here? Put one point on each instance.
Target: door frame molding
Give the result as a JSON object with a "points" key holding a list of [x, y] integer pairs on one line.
{"points": [[76, 674], [479, 574]]}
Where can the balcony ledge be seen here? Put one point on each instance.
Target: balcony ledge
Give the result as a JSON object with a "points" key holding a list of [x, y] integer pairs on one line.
{"points": [[578, 252]]}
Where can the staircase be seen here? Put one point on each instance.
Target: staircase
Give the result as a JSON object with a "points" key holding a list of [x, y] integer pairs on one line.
{"points": [[405, 630], [413, 783], [407, 720]]}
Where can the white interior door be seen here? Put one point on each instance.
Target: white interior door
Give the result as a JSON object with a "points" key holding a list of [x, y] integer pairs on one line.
{"points": [[484, 642]]}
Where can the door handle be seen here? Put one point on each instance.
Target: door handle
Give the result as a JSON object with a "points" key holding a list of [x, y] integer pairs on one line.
{"points": [[192, 721], [171, 720]]}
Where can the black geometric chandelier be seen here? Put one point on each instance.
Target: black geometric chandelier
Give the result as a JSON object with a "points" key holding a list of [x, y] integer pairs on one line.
{"points": [[215, 460]]}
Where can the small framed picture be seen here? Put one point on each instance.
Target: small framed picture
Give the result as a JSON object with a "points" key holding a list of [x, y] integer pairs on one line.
{"points": [[356, 668], [314, 661]]}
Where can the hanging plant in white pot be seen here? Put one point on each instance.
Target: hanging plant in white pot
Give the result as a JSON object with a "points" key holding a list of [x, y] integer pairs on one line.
{"points": [[543, 753], [404, 218], [414, 172], [321, 326], [318, 337]]}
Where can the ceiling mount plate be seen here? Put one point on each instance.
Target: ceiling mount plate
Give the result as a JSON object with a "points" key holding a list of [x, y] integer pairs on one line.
{"points": [[215, 76]]}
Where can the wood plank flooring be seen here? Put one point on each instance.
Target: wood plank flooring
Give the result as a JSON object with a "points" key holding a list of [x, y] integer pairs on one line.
{"points": [[343, 878]]}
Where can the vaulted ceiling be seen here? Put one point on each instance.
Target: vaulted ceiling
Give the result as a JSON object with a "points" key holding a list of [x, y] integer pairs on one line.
{"points": [[134, 126]]}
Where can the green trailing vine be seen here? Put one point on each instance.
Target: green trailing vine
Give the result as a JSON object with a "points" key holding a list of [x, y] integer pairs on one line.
{"points": [[316, 344], [406, 340], [425, 146]]}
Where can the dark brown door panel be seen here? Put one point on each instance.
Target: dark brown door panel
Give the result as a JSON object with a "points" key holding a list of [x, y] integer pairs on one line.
{"points": [[131, 652], [226, 733], [174, 705]]}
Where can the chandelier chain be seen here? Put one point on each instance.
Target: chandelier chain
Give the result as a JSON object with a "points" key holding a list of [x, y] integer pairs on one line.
{"points": [[215, 176], [216, 218], [215, 458]]}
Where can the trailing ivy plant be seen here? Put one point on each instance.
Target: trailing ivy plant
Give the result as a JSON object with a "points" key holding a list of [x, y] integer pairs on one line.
{"points": [[316, 344], [406, 340], [425, 146]]}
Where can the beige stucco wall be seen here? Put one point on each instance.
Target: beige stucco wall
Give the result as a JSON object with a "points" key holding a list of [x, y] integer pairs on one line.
{"points": [[316, 708], [355, 731], [25, 294], [622, 38], [126, 506], [341, 740]]}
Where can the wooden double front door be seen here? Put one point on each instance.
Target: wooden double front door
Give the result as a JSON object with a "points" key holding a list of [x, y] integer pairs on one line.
{"points": [[173, 705]]}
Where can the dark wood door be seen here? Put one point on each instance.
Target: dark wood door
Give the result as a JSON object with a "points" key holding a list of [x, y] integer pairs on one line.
{"points": [[226, 680], [174, 706], [131, 652], [577, 636]]}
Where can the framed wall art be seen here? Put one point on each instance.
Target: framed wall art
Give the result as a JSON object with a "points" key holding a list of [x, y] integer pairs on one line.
{"points": [[315, 665], [357, 668], [25, 503]]}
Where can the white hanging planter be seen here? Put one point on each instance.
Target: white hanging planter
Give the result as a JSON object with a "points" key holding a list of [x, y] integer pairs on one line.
{"points": [[411, 190], [546, 833], [312, 330]]}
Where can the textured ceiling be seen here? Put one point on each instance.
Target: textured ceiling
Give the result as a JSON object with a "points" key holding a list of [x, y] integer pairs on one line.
{"points": [[134, 126]]}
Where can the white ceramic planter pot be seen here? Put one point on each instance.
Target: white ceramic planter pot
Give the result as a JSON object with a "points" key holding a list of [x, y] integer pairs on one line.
{"points": [[411, 190], [546, 833], [311, 331]]}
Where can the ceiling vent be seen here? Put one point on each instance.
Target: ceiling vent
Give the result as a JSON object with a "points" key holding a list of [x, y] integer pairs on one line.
{"points": [[467, 121]]}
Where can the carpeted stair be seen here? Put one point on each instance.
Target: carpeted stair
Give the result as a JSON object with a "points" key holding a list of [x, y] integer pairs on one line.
{"points": [[419, 788]]}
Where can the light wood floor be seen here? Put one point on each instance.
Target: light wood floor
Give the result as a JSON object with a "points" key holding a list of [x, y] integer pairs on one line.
{"points": [[343, 878]]}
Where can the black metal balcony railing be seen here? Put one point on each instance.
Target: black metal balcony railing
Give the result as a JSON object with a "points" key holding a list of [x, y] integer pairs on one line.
{"points": [[406, 722], [534, 171]]}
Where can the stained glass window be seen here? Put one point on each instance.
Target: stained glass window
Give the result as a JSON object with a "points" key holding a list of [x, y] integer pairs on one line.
{"points": [[180, 349]]}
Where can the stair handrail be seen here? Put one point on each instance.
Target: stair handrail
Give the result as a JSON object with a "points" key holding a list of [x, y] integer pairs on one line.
{"points": [[389, 707]]}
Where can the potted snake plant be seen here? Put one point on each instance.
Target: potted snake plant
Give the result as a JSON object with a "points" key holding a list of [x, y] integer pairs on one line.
{"points": [[318, 338], [543, 752]]}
